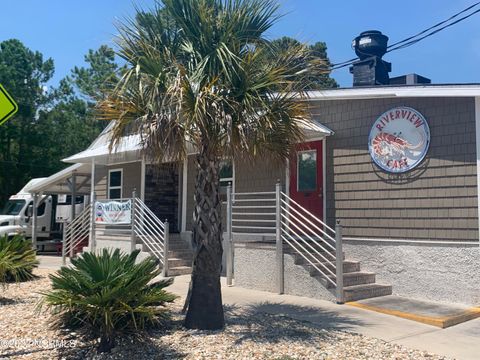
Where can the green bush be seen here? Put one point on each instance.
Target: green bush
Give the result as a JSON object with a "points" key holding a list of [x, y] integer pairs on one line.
{"points": [[108, 294], [17, 259]]}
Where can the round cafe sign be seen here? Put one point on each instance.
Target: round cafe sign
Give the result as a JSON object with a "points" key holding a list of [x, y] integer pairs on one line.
{"points": [[399, 139]]}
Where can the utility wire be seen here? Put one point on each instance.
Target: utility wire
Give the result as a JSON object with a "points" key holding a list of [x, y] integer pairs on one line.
{"points": [[434, 26], [418, 37]]}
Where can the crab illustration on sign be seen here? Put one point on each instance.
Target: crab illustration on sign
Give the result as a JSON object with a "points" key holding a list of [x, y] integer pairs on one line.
{"points": [[399, 139]]}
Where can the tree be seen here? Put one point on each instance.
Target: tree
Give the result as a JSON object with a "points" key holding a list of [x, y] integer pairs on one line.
{"points": [[318, 52], [24, 74], [95, 81], [51, 123], [201, 78]]}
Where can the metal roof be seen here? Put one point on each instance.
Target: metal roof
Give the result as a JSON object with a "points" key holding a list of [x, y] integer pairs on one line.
{"points": [[61, 182], [393, 91]]}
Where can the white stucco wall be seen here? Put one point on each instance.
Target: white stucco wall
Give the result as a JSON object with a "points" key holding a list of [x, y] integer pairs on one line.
{"points": [[432, 272], [255, 268]]}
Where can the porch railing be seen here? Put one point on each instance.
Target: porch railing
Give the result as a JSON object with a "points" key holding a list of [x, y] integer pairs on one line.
{"points": [[276, 215], [144, 226], [76, 233], [151, 231]]}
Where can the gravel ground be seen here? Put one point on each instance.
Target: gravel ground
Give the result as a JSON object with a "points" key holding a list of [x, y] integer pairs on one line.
{"points": [[27, 334]]}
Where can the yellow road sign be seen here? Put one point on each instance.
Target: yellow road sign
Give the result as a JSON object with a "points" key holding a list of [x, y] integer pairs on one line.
{"points": [[8, 107]]}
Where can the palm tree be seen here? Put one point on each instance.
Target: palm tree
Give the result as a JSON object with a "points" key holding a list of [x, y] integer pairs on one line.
{"points": [[197, 76]]}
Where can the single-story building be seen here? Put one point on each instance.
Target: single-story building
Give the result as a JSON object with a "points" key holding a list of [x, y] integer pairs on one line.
{"points": [[416, 231], [396, 165]]}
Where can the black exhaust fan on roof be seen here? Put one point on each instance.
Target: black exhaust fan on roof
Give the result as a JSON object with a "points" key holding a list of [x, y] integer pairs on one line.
{"points": [[370, 70]]}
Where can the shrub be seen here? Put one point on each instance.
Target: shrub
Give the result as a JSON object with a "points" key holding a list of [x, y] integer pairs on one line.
{"points": [[108, 294], [17, 259]]}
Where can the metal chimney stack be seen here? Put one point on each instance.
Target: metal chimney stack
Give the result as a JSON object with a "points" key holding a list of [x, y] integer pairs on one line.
{"points": [[370, 69]]}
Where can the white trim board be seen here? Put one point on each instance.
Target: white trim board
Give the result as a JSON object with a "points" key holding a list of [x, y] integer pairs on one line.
{"points": [[477, 139], [473, 243]]}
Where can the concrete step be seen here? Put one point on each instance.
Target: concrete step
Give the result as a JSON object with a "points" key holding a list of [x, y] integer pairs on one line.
{"points": [[358, 278], [112, 237], [348, 265], [179, 270], [299, 259], [349, 279], [180, 254], [366, 291], [176, 262]]}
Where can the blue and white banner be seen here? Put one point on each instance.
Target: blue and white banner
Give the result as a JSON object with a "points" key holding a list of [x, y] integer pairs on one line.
{"points": [[113, 212]]}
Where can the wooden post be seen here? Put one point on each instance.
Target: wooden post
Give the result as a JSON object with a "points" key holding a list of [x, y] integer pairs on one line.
{"points": [[228, 242], [278, 239], [165, 249], [339, 263]]}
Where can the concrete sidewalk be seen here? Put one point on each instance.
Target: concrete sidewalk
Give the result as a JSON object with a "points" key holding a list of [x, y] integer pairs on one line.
{"points": [[460, 341]]}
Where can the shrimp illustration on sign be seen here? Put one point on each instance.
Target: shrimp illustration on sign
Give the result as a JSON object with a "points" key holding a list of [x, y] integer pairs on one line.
{"points": [[385, 144], [399, 139]]}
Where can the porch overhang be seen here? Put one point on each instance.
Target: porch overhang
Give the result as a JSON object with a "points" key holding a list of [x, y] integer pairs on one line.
{"points": [[61, 182], [314, 130]]}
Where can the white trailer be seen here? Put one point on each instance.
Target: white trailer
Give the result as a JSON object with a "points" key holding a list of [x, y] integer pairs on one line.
{"points": [[52, 212]]}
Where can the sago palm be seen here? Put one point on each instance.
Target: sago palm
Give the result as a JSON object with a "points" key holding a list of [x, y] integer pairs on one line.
{"points": [[17, 259], [108, 294], [197, 77]]}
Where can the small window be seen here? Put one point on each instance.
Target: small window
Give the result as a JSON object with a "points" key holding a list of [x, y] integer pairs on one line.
{"points": [[115, 184], [307, 171], [226, 173], [41, 208]]}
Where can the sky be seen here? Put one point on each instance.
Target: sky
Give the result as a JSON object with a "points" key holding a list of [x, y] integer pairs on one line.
{"points": [[65, 30]]}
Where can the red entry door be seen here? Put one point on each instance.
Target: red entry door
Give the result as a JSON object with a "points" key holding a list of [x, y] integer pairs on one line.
{"points": [[306, 177]]}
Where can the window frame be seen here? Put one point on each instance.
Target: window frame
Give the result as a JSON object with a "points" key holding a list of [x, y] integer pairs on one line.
{"points": [[110, 171], [227, 179], [299, 153]]}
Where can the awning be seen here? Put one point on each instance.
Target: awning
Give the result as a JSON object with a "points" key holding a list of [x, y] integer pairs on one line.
{"points": [[61, 182]]}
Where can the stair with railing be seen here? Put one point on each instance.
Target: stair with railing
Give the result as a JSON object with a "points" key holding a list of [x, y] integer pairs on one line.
{"points": [[298, 233], [146, 232]]}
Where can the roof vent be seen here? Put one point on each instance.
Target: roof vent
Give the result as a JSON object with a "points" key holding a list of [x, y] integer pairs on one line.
{"points": [[370, 70], [410, 79]]}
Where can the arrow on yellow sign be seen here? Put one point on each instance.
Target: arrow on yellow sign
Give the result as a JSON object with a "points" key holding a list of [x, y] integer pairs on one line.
{"points": [[8, 107]]}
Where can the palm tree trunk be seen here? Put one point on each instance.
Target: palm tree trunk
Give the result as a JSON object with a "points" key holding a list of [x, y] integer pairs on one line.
{"points": [[205, 309]]}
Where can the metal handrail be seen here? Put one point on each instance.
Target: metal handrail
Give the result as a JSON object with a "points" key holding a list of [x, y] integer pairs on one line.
{"points": [[307, 243], [292, 224], [311, 263], [286, 202], [151, 231], [291, 216], [308, 212], [76, 231]]}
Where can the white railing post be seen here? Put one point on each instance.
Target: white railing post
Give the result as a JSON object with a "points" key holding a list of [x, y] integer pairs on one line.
{"points": [[64, 245], [339, 263], [228, 242], [165, 249], [278, 239], [92, 240], [133, 241]]}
